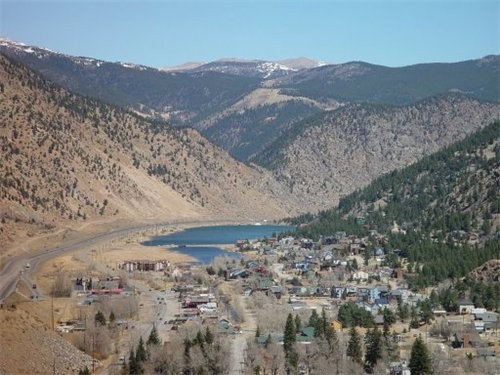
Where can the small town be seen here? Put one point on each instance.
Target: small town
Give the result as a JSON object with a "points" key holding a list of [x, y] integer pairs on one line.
{"points": [[247, 300]]}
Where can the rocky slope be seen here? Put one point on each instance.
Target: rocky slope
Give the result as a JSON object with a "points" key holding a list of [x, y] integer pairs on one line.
{"points": [[29, 347], [340, 151], [67, 159]]}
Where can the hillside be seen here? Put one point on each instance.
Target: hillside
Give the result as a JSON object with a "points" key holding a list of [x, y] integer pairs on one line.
{"points": [[442, 212], [245, 106], [69, 160], [334, 153], [363, 82], [177, 96]]}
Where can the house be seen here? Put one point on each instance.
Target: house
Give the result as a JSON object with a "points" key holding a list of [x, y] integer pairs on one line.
{"points": [[351, 291], [396, 229], [145, 265], [373, 293], [397, 273], [465, 306], [276, 290], [486, 322], [336, 325], [399, 368], [354, 248], [306, 335], [384, 291], [360, 275], [337, 291], [378, 319]]}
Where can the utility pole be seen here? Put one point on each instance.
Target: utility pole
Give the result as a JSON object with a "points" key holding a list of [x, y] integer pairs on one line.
{"points": [[93, 353], [52, 305]]}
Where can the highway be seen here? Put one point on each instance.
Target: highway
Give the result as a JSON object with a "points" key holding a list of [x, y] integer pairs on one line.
{"points": [[14, 269]]}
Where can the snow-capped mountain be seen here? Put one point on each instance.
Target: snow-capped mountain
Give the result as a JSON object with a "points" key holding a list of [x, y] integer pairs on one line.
{"points": [[18, 48], [251, 68]]}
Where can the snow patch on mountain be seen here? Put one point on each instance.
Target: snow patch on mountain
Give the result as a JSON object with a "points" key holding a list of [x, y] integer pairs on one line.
{"points": [[270, 68]]}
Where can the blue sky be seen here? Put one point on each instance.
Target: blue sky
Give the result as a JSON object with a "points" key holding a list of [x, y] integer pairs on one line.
{"points": [[165, 33]]}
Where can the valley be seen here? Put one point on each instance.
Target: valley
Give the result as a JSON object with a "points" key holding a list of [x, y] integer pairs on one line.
{"points": [[389, 177]]}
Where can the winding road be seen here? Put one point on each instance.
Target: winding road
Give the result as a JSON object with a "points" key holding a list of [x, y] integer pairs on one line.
{"points": [[14, 269]]}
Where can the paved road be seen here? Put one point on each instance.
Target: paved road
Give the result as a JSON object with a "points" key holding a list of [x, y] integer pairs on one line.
{"points": [[239, 344], [10, 273]]}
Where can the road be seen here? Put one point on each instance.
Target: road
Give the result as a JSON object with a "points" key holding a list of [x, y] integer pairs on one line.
{"points": [[240, 340], [10, 273]]}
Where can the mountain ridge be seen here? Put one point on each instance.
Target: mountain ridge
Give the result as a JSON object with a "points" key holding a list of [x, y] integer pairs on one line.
{"points": [[68, 160], [346, 148]]}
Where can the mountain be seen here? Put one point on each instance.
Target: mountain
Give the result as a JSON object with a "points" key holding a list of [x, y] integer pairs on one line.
{"points": [[69, 160], [441, 213], [336, 152], [250, 68], [363, 82], [323, 131], [179, 97], [182, 67]]}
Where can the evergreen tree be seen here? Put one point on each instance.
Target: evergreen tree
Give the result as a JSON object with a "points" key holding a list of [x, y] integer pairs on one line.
{"points": [[199, 340], [133, 365], [298, 324], [257, 332], [313, 319], [373, 342], [153, 338], [84, 371], [420, 362], [268, 342], [354, 346], [141, 354], [209, 337], [112, 317], [187, 356], [99, 318], [289, 340]]}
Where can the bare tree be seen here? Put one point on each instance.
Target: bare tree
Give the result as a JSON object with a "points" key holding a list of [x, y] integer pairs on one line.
{"points": [[62, 285]]}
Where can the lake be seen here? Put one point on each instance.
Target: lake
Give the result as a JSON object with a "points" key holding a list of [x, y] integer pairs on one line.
{"points": [[196, 241]]}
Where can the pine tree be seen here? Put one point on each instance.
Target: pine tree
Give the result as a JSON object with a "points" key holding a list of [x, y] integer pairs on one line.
{"points": [[112, 317], [373, 353], [99, 318], [133, 366], [187, 356], [140, 354], [354, 346], [313, 319], [257, 332], [209, 337], [199, 340], [153, 338], [84, 371], [420, 362], [298, 324], [289, 341], [268, 342]]}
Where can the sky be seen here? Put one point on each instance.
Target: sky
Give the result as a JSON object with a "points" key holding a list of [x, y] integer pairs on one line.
{"points": [[167, 33]]}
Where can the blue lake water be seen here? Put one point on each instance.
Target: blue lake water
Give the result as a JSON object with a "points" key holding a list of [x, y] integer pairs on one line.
{"points": [[196, 241]]}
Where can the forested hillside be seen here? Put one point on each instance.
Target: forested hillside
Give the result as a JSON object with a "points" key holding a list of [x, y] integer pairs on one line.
{"points": [[363, 82], [336, 152], [441, 213]]}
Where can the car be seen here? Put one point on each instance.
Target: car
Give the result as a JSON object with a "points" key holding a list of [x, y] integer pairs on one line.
{"points": [[34, 286]]}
